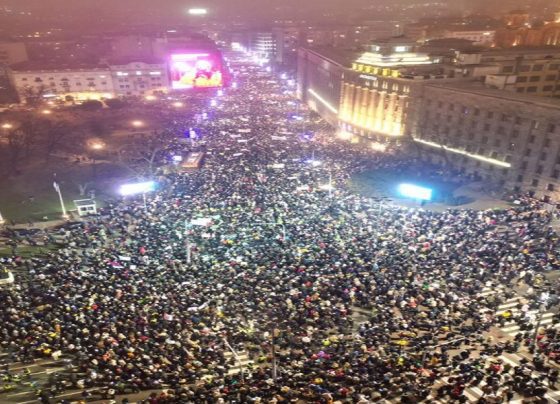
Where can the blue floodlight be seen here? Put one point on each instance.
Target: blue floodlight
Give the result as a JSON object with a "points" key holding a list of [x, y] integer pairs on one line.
{"points": [[137, 188], [415, 192]]}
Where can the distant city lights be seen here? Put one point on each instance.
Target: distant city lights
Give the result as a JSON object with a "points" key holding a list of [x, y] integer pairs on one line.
{"points": [[213, 103], [151, 98], [415, 192], [178, 104]]}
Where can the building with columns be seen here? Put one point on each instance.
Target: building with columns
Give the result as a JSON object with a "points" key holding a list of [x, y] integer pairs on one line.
{"points": [[377, 88]]}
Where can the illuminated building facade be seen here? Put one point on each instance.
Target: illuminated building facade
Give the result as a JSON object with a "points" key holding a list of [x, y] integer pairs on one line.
{"points": [[139, 78], [377, 89], [79, 82], [520, 32], [511, 139]]}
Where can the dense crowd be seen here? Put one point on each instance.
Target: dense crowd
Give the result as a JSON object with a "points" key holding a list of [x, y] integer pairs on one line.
{"points": [[141, 298]]}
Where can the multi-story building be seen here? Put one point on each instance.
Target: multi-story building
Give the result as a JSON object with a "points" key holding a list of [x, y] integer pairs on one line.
{"points": [[12, 53], [139, 78], [393, 94], [263, 46], [511, 140], [518, 31], [523, 70], [320, 78], [80, 82], [483, 37]]}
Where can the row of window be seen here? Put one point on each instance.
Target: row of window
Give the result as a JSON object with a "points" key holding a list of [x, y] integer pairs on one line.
{"points": [[534, 89], [533, 79], [487, 114]]}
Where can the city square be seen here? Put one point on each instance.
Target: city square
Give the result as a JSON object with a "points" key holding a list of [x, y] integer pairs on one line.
{"points": [[258, 240]]}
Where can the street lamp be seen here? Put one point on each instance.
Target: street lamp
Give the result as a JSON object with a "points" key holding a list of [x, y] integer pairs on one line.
{"points": [[137, 123], [46, 112], [544, 298], [63, 208], [95, 145], [7, 126], [178, 104]]}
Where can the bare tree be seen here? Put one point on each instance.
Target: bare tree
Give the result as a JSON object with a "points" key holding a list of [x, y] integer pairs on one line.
{"points": [[60, 135], [141, 156]]}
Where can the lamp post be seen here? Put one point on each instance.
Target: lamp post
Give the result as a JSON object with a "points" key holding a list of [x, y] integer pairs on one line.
{"points": [[95, 145], [63, 208], [545, 296]]}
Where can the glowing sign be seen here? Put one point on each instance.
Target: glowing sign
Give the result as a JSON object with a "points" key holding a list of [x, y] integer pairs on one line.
{"points": [[415, 192], [137, 188], [188, 70]]}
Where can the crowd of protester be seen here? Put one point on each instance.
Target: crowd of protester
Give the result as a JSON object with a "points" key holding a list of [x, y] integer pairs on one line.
{"points": [[141, 298]]}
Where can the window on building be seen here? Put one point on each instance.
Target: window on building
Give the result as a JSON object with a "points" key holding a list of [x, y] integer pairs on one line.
{"points": [[550, 187], [539, 170], [519, 178], [551, 128], [521, 79], [550, 77], [538, 68], [476, 112], [535, 124], [440, 104], [548, 88], [489, 115], [484, 140], [535, 183], [508, 160], [497, 143], [507, 69], [518, 120], [524, 68], [523, 165], [547, 142], [521, 89], [500, 130], [543, 156], [494, 155], [451, 107], [553, 66], [534, 79], [511, 146], [531, 139], [486, 127], [555, 174], [532, 89], [527, 152]]}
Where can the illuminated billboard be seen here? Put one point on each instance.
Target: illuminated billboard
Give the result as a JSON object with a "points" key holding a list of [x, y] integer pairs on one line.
{"points": [[195, 70]]}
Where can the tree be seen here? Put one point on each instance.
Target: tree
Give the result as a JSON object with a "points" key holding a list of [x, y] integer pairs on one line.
{"points": [[91, 105], [56, 134], [141, 156], [115, 103], [33, 95]]}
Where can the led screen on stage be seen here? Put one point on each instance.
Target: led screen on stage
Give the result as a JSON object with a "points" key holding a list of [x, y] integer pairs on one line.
{"points": [[191, 70]]}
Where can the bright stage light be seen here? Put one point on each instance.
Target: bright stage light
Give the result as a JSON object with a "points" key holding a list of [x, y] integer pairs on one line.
{"points": [[415, 192], [198, 11], [137, 188]]}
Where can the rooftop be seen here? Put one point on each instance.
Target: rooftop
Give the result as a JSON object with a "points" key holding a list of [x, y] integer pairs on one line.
{"points": [[56, 65], [343, 57], [478, 88]]}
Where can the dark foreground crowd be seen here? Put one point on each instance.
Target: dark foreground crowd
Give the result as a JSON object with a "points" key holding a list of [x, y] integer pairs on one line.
{"points": [[334, 297]]}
